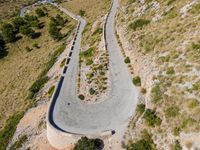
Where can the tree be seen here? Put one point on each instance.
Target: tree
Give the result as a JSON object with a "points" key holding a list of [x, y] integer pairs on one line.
{"points": [[81, 13], [17, 23], [26, 30], [2, 46], [36, 24], [54, 31], [8, 32], [88, 144], [30, 18], [60, 21], [40, 12]]}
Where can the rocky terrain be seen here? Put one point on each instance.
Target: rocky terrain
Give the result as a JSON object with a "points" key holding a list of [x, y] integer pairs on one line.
{"points": [[161, 38]]}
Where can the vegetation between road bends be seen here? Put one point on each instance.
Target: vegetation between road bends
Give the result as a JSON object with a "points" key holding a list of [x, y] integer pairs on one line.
{"points": [[89, 144], [151, 118]]}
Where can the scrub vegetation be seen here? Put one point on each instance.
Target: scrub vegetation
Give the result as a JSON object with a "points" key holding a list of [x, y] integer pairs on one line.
{"points": [[164, 48]]}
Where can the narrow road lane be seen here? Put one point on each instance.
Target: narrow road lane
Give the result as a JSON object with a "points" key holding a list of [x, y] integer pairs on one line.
{"points": [[67, 113]]}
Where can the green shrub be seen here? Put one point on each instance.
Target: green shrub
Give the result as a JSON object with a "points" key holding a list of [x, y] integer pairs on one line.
{"points": [[54, 31], [177, 146], [40, 12], [51, 90], [60, 20], [8, 131], [171, 112], [81, 97], [169, 2], [88, 144], [63, 63], [89, 62], [27, 31], [18, 144], [196, 86], [17, 23], [8, 32], [37, 85], [137, 81], [196, 47], [151, 118], [127, 60], [187, 122], [2, 46], [92, 91], [170, 71], [88, 53], [81, 13], [196, 9], [176, 131], [139, 23], [193, 103], [156, 93], [140, 108], [97, 31]]}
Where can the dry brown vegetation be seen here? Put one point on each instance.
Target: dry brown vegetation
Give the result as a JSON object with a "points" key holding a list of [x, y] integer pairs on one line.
{"points": [[164, 38], [20, 68]]}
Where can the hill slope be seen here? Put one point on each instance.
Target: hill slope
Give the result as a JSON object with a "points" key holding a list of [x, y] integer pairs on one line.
{"points": [[162, 40]]}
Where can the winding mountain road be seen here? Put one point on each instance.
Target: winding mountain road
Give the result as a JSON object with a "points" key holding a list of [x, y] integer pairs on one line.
{"points": [[69, 114]]}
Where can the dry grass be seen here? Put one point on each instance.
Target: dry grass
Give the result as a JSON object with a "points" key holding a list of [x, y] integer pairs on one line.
{"points": [[9, 8], [19, 69]]}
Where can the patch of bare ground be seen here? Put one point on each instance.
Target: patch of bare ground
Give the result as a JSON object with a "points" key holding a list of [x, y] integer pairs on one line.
{"points": [[161, 39]]}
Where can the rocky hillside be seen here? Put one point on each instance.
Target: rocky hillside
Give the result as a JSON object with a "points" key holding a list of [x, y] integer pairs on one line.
{"points": [[161, 38]]}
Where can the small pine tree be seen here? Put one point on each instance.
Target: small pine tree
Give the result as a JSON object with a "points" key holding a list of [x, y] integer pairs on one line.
{"points": [[40, 12], [8, 32]]}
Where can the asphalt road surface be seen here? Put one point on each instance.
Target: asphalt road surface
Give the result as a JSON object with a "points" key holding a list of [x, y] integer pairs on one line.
{"points": [[69, 114]]}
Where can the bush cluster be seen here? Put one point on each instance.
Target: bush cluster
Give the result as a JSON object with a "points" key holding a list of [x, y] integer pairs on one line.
{"points": [[151, 118], [81, 97], [137, 81], [54, 27], [139, 24], [127, 60]]}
